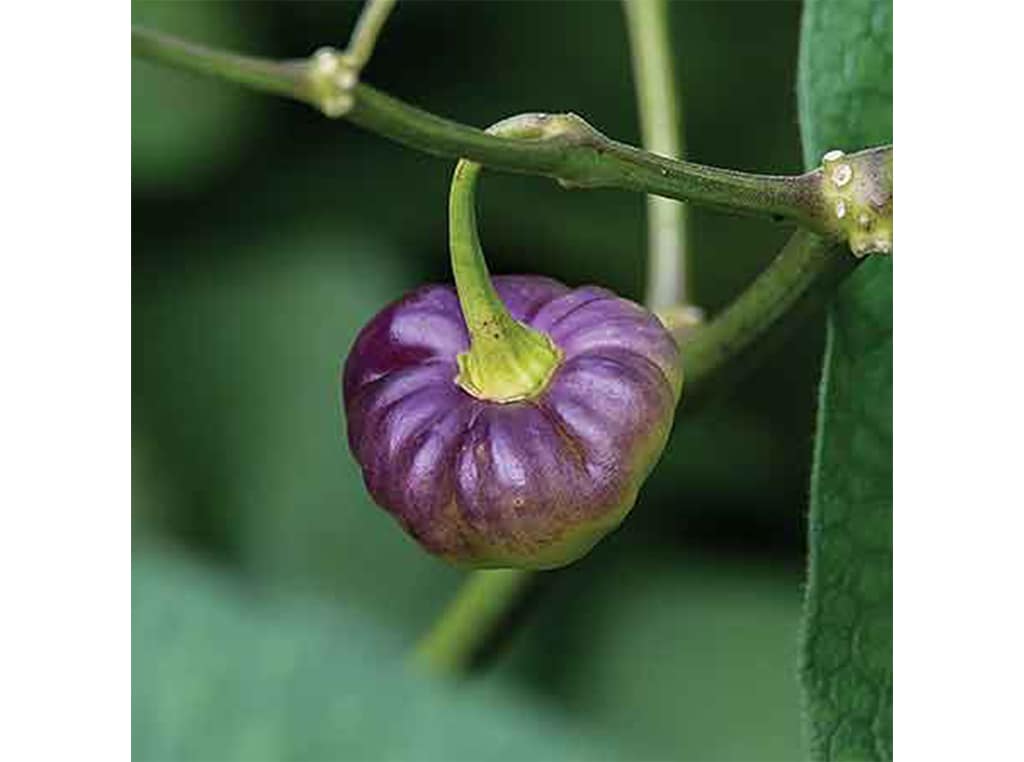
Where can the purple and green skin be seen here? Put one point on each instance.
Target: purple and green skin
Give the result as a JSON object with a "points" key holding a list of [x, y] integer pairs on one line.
{"points": [[533, 483], [508, 423]]}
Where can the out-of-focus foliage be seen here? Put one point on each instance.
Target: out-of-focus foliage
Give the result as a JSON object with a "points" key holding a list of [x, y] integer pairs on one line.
{"points": [[846, 103], [251, 348], [254, 268], [185, 129], [221, 675], [686, 657]]}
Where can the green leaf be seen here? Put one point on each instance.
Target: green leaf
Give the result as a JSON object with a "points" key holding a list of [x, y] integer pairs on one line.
{"points": [[219, 673], [845, 92]]}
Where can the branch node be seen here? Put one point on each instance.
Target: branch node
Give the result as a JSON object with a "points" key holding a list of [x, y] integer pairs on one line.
{"points": [[857, 193], [574, 129], [332, 78]]}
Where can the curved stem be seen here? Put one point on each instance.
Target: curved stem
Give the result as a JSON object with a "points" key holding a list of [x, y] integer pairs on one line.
{"points": [[507, 360], [479, 301], [661, 125], [579, 158]]}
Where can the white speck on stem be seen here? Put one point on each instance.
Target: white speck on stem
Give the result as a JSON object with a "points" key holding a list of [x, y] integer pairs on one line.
{"points": [[842, 174], [325, 60], [840, 209]]}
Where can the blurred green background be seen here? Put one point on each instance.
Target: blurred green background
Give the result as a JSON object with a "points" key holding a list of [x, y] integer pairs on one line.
{"points": [[272, 602]]}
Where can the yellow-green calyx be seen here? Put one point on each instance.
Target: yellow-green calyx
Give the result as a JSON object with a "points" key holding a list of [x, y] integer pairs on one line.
{"points": [[507, 361], [857, 191]]}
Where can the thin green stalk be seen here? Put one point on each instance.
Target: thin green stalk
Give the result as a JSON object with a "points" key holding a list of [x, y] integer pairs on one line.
{"points": [[367, 29], [799, 281], [470, 620], [580, 157], [661, 125], [506, 360]]}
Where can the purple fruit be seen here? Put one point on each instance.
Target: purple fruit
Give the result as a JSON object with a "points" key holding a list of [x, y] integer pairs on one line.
{"points": [[528, 482]]}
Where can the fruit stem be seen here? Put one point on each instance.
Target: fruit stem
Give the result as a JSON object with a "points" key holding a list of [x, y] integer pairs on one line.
{"points": [[507, 361]]}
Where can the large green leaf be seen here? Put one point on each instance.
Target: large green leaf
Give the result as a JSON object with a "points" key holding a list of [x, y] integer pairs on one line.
{"points": [[219, 673], [845, 93]]}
